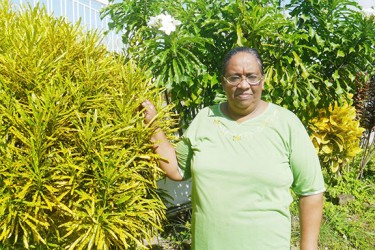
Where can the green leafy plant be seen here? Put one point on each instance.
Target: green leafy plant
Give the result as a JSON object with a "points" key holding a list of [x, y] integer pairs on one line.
{"points": [[306, 67], [177, 230], [176, 60], [336, 134], [334, 61], [349, 211], [77, 170], [348, 215]]}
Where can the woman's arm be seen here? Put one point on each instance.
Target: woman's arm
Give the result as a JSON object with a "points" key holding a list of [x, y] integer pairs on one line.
{"points": [[162, 146], [310, 213]]}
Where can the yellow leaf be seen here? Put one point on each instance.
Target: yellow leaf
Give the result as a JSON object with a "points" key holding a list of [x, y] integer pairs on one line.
{"points": [[332, 120], [324, 138], [334, 167], [50, 188], [25, 190], [327, 149]]}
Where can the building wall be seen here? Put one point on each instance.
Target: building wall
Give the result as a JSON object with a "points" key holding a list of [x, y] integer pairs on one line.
{"points": [[85, 11]]}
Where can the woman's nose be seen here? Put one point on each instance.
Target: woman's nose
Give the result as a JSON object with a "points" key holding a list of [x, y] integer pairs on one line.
{"points": [[243, 83]]}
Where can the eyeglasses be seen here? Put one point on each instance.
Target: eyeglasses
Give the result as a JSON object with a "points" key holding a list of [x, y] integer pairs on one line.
{"points": [[252, 80]]}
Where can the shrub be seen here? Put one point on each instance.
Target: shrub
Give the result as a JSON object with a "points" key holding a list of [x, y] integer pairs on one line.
{"points": [[348, 215], [336, 135], [77, 170], [349, 211], [177, 231]]}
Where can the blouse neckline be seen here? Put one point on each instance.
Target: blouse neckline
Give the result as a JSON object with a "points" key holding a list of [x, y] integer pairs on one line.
{"points": [[267, 109]]}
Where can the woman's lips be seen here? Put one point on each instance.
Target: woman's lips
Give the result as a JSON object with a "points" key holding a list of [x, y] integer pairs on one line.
{"points": [[243, 95]]}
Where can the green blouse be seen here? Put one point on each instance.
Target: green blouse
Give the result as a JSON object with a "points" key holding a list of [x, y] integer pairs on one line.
{"points": [[241, 177]]}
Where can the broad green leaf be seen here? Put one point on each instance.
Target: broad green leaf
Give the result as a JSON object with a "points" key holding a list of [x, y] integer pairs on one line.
{"points": [[340, 53]]}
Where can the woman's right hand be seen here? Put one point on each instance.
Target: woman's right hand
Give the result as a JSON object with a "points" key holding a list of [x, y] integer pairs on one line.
{"points": [[162, 146], [149, 111]]}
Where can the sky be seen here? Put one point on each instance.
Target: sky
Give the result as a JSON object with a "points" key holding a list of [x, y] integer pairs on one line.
{"points": [[366, 3]]}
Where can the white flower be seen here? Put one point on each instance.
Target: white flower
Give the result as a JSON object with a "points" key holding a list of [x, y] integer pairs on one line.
{"points": [[164, 22], [153, 22], [167, 27]]}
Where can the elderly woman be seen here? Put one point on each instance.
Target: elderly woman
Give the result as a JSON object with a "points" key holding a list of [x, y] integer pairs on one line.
{"points": [[244, 156]]}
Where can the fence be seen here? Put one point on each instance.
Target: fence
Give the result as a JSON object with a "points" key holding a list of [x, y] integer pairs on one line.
{"points": [[86, 11]]}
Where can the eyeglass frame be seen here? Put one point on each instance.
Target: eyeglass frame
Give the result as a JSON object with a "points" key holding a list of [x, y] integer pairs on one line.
{"points": [[260, 78]]}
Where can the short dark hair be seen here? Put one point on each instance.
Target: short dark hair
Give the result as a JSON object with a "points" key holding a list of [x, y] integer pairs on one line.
{"points": [[236, 50]]}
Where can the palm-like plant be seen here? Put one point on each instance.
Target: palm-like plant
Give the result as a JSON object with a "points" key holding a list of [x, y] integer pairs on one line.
{"points": [[365, 100]]}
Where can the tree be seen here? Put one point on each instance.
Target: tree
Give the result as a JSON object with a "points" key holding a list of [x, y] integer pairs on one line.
{"points": [[311, 57]]}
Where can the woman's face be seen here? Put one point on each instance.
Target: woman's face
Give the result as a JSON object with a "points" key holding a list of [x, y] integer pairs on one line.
{"points": [[243, 97]]}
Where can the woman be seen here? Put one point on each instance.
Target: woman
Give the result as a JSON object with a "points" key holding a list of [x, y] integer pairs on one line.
{"points": [[243, 156]]}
